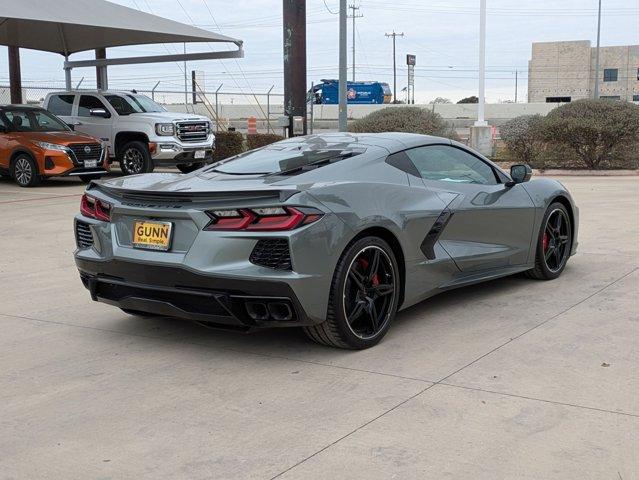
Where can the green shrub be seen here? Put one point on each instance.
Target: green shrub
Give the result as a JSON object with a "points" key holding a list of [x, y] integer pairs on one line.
{"points": [[594, 130], [228, 144], [258, 140], [403, 119], [523, 138]]}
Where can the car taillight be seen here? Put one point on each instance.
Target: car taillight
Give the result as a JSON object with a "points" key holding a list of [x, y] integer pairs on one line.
{"points": [[94, 208], [270, 219]]}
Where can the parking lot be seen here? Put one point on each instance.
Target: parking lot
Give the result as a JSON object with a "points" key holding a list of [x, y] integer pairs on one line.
{"points": [[515, 378]]}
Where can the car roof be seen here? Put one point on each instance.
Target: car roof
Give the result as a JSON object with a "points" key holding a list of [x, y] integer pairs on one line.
{"points": [[391, 141], [20, 107], [93, 92]]}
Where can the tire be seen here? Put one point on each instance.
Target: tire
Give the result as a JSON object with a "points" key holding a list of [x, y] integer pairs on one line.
{"points": [[553, 247], [24, 171], [88, 178], [190, 167], [349, 294], [134, 158]]}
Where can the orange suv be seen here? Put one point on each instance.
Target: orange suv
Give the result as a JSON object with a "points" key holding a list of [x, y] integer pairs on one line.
{"points": [[35, 144]]}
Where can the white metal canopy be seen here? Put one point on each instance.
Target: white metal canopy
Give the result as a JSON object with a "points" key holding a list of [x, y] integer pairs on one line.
{"points": [[71, 26]]}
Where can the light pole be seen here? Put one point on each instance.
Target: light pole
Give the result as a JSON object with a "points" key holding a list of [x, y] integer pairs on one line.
{"points": [[342, 123], [481, 121], [597, 56]]}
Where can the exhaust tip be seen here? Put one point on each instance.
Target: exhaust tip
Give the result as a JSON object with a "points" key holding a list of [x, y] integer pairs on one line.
{"points": [[280, 311], [257, 310]]}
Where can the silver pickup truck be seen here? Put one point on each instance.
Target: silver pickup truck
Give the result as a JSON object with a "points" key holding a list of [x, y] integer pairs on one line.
{"points": [[139, 133]]}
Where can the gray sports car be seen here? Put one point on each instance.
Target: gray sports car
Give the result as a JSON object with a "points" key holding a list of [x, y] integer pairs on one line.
{"points": [[333, 233]]}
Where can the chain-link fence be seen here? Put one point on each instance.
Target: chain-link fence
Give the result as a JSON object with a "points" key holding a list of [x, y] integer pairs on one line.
{"points": [[225, 107]]}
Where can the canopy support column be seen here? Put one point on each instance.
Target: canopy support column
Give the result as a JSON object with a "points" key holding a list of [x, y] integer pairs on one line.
{"points": [[67, 73], [101, 76], [15, 78]]}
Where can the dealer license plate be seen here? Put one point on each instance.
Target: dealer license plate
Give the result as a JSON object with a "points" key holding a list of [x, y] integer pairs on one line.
{"points": [[152, 235], [90, 163], [200, 153]]}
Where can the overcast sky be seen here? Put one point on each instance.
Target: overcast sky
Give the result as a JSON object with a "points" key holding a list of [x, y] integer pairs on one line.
{"points": [[442, 34]]}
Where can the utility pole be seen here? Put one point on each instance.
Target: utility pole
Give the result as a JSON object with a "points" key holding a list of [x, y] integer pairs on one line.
{"points": [[394, 36], [354, 16], [516, 84], [342, 67], [295, 65], [598, 47]]}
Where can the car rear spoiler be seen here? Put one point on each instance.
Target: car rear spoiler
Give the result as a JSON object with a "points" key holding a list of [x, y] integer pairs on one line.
{"points": [[281, 194]]}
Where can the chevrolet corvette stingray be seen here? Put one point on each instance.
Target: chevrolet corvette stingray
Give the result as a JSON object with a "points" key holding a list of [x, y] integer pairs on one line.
{"points": [[333, 233]]}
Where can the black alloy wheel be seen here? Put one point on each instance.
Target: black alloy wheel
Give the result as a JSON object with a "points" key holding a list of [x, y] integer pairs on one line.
{"points": [[364, 297], [190, 167], [555, 240], [554, 244], [368, 292], [135, 158]]}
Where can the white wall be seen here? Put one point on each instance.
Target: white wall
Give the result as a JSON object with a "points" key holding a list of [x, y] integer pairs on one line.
{"points": [[497, 112]]}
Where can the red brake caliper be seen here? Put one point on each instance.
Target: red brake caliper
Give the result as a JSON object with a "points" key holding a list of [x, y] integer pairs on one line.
{"points": [[364, 264], [545, 241]]}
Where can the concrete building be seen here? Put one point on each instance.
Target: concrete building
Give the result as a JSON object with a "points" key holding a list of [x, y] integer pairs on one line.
{"points": [[565, 71]]}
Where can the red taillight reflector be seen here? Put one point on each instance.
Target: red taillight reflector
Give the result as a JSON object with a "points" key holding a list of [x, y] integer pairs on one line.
{"points": [[93, 208], [262, 219]]}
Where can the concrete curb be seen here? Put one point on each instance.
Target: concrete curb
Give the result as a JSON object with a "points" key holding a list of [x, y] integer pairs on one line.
{"points": [[586, 173]]}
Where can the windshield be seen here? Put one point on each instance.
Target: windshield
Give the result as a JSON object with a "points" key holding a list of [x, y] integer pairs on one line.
{"points": [[272, 159], [34, 121], [129, 103]]}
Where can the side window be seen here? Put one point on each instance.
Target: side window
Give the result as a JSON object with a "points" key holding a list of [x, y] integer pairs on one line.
{"points": [[87, 102], [61, 104], [449, 164], [20, 121]]}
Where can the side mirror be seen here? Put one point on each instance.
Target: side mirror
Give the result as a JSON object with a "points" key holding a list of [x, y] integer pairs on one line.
{"points": [[99, 112], [71, 126], [3, 128], [519, 174]]}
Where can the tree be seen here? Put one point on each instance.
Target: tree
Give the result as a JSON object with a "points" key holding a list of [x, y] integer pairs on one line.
{"points": [[523, 137], [593, 128], [403, 119], [473, 99], [440, 100]]}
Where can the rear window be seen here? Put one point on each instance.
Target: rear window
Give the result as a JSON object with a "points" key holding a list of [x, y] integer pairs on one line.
{"points": [[281, 160], [60, 104]]}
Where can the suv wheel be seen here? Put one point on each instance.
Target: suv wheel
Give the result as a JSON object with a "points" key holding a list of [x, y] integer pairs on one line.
{"points": [[189, 167], [134, 158], [88, 178], [24, 171]]}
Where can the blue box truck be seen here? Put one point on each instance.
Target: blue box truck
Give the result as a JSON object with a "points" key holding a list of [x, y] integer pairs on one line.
{"points": [[357, 92]]}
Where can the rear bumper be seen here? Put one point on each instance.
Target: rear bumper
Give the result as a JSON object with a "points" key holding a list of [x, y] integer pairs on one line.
{"points": [[177, 292]]}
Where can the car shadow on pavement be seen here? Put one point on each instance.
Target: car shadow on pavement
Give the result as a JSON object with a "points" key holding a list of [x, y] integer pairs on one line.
{"points": [[279, 341]]}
